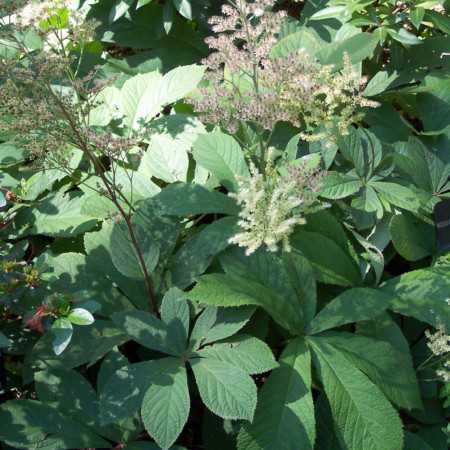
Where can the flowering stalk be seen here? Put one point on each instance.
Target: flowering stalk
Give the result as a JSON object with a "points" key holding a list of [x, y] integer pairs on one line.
{"points": [[44, 118], [247, 84]]}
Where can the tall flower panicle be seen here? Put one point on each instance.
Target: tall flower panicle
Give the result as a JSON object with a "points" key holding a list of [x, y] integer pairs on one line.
{"points": [[271, 209], [247, 84]]}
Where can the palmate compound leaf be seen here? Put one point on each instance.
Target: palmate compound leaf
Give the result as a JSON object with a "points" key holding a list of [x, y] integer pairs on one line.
{"points": [[363, 417], [165, 407], [352, 305], [284, 417], [226, 390], [245, 352]]}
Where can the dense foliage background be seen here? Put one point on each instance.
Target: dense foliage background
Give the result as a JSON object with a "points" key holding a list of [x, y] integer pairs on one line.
{"points": [[228, 244]]}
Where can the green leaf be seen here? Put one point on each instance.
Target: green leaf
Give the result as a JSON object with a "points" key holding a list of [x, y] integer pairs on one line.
{"points": [[396, 194], [352, 305], [144, 96], [98, 247], [71, 394], [31, 424], [214, 237], [379, 360], [165, 160], [284, 417], [403, 36], [184, 8], [124, 254], [119, 8], [184, 199], [414, 442], [365, 207], [175, 320], [80, 316], [216, 323], [412, 238], [226, 390], [226, 290], [440, 21], [4, 341], [165, 406], [330, 13], [112, 362], [142, 3], [168, 13], [245, 352], [364, 418], [420, 294], [261, 267], [336, 186], [301, 275], [292, 43], [123, 393], [143, 328], [57, 215], [221, 155], [12, 154], [358, 48], [323, 253], [416, 16], [62, 334], [326, 434], [187, 265]]}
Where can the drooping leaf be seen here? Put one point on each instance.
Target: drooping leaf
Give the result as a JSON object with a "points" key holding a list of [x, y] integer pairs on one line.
{"points": [[226, 390], [221, 155], [245, 352], [352, 305], [284, 417], [143, 328], [364, 418], [123, 393], [165, 406], [396, 194]]}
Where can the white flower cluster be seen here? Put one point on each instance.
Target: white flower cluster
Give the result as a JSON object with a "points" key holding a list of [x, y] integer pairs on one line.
{"points": [[35, 12], [267, 213]]}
